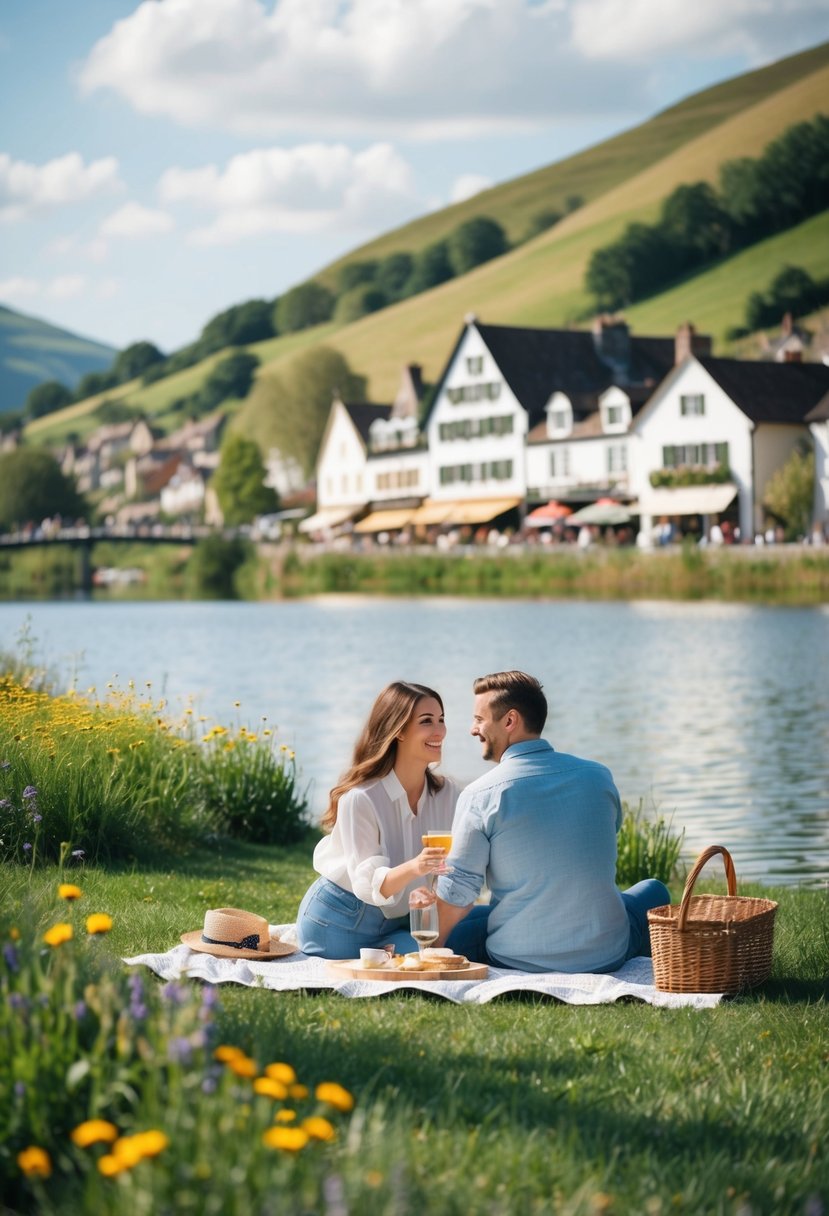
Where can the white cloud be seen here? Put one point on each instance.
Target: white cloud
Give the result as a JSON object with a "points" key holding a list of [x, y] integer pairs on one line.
{"points": [[421, 67], [26, 188], [309, 188], [467, 186], [65, 287], [18, 288], [61, 287], [134, 220]]}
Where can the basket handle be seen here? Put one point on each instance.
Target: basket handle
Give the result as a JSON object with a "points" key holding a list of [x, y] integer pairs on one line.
{"points": [[705, 856]]}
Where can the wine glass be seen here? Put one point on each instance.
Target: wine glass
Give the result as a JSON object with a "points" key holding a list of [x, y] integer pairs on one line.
{"points": [[423, 921], [437, 840]]}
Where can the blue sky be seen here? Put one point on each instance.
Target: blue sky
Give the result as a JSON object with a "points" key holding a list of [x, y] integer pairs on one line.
{"points": [[162, 160]]}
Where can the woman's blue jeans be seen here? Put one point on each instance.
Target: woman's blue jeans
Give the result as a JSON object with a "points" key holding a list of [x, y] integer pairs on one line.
{"points": [[334, 923], [469, 935]]}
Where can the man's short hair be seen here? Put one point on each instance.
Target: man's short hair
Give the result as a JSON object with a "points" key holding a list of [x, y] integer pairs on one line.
{"points": [[515, 690]]}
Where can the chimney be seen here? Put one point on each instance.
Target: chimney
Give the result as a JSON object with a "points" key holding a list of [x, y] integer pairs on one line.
{"points": [[688, 342], [793, 356], [786, 325], [611, 338], [409, 393]]}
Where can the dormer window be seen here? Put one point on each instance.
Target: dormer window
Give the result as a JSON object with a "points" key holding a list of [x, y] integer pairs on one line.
{"points": [[615, 411], [614, 415], [559, 416]]}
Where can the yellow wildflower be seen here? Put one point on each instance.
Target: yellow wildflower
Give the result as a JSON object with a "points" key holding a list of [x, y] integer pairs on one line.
{"points": [[98, 922], [288, 1139], [334, 1095], [224, 1053], [127, 1150], [230, 746], [94, 1131], [110, 1166], [151, 1143], [242, 1066], [68, 890], [269, 1088], [284, 1116], [35, 1162], [58, 934], [14, 933], [319, 1128], [281, 1072], [299, 1092]]}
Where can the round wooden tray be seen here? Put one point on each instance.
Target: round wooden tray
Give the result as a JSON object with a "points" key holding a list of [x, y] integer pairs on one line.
{"points": [[352, 968]]}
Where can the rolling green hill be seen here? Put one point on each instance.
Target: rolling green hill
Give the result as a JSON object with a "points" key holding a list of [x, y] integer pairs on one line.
{"points": [[32, 351], [540, 282]]}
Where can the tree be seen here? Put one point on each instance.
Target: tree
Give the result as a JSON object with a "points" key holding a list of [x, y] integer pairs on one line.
{"points": [[356, 274], [213, 566], [541, 221], [695, 224], [790, 492], [240, 481], [252, 321], [303, 306], [608, 277], [93, 383], [431, 268], [474, 242], [33, 487], [288, 408], [46, 398], [359, 302], [231, 377], [393, 274], [134, 360]]}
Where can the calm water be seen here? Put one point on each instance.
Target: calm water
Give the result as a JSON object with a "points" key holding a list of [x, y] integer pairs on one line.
{"points": [[718, 714]]}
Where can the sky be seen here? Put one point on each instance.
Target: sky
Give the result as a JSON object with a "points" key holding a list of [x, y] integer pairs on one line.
{"points": [[161, 161]]}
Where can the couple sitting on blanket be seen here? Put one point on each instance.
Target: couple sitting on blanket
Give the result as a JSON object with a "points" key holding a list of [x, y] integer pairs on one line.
{"points": [[539, 830]]}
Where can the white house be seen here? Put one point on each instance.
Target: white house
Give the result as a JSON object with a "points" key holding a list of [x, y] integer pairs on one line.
{"points": [[818, 420], [716, 430]]}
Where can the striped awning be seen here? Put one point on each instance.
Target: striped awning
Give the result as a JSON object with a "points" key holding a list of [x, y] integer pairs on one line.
{"points": [[385, 521]]}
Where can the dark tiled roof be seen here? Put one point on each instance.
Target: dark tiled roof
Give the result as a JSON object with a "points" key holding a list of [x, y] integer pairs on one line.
{"points": [[362, 415], [771, 392], [538, 362]]}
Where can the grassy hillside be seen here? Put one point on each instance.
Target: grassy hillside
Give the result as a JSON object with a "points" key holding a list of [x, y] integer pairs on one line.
{"points": [[541, 282], [32, 351]]}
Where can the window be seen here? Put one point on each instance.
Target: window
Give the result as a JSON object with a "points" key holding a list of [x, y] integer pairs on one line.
{"points": [[614, 415], [560, 462], [691, 404], [700, 454], [473, 428], [617, 458], [475, 365]]}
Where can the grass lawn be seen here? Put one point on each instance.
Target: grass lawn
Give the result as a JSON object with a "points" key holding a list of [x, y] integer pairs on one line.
{"points": [[518, 1106]]}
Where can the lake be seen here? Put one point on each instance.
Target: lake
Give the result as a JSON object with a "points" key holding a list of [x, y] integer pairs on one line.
{"points": [[715, 714]]}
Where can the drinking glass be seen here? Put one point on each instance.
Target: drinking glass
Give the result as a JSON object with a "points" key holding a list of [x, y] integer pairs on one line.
{"points": [[437, 840], [423, 922]]}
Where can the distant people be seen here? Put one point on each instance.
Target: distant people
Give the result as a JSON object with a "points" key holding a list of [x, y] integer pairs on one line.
{"points": [[539, 830], [377, 813], [715, 534]]}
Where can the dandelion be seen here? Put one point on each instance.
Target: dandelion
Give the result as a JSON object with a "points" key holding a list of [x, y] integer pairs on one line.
{"points": [[288, 1139], [98, 922], [281, 1072], [58, 934], [319, 1128], [111, 1166], [224, 1053], [334, 1095], [269, 1088], [14, 933], [35, 1162], [94, 1131], [68, 891], [298, 1092], [242, 1066], [284, 1116]]}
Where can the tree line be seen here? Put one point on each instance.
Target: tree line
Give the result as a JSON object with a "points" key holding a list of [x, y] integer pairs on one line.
{"points": [[698, 224]]}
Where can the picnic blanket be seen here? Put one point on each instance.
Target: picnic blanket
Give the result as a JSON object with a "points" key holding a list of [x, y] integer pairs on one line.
{"points": [[301, 972]]}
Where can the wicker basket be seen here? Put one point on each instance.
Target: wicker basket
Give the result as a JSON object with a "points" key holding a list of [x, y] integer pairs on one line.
{"points": [[712, 943]]}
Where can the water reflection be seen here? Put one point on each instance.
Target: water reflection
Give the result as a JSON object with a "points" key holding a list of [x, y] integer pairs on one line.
{"points": [[718, 713]]}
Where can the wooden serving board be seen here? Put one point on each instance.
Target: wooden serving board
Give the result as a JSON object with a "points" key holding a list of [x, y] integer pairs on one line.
{"points": [[352, 968]]}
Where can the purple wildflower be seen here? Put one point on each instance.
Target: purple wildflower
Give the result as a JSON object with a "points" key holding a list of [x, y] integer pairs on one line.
{"points": [[19, 1089], [27, 848], [208, 1085], [5, 803], [180, 1050], [174, 993], [79, 1011], [36, 818], [30, 792], [10, 955], [18, 1001], [210, 996], [138, 1010]]}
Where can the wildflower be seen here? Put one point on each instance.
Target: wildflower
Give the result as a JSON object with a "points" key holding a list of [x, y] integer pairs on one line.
{"points": [[36, 818], [35, 1162], [174, 993], [98, 922], [281, 1072], [68, 890], [137, 743], [180, 1050], [79, 1011], [58, 934], [18, 1001], [14, 933], [27, 848], [110, 1166], [224, 1053], [319, 1128], [269, 1088], [94, 1131], [334, 1095], [30, 792], [288, 1139], [242, 1066], [298, 1092], [5, 803], [284, 1116], [210, 996], [151, 1143], [19, 1090], [10, 957]]}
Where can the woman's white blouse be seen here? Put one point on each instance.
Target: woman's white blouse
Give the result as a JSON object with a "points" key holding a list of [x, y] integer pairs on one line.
{"points": [[376, 830]]}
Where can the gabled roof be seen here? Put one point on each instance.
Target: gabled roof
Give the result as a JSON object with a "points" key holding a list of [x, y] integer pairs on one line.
{"points": [[363, 414], [821, 411], [770, 392]]}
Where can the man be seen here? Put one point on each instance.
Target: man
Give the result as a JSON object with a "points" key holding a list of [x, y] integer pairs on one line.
{"points": [[540, 831]]}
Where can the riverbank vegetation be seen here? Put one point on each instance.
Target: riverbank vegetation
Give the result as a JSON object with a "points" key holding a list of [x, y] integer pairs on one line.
{"points": [[227, 569]]}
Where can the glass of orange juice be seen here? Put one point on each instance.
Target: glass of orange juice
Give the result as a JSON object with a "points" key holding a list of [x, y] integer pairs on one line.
{"points": [[438, 840]]}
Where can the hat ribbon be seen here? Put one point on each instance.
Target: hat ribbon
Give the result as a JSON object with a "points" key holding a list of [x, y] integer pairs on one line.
{"points": [[251, 942]]}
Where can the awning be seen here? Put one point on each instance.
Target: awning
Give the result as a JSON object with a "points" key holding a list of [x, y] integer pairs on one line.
{"points": [[431, 513], [479, 510], [687, 500], [329, 517], [385, 521]]}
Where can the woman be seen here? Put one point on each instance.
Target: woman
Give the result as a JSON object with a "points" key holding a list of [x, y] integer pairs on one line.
{"points": [[372, 857]]}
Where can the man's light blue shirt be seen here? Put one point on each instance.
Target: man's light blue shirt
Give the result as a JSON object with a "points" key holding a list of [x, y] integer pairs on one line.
{"points": [[540, 830]]}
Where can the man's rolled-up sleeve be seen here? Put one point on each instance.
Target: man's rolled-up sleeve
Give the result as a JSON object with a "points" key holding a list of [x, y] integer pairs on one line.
{"points": [[469, 857]]}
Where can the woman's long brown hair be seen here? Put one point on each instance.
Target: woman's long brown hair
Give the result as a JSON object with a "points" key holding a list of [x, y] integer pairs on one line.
{"points": [[376, 748]]}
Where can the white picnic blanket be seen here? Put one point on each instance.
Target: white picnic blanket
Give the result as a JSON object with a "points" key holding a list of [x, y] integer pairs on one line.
{"points": [[299, 971]]}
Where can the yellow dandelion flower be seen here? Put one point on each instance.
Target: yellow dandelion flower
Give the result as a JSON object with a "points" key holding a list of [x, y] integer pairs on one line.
{"points": [[111, 1166], [268, 1088], [281, 1072], [334, 1095], [242, 1066], [35, 1162], [94, 1131], [319, 1128], [127, 1150], [230, 746], [58, 934], [224, 1052], [98, 922], [267, 734], [284, 1116], [251, 738], [288, 1139], [68, 890], [283, 747], [152, 1142], [299, 1092], [14, 933]]}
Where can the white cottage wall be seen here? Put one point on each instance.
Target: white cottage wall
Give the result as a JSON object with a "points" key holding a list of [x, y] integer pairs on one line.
{"points": [[773, 445], [341, 469]]}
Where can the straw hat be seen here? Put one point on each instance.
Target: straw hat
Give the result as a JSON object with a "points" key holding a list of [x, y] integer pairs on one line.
{"points": [[232, 933]]}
